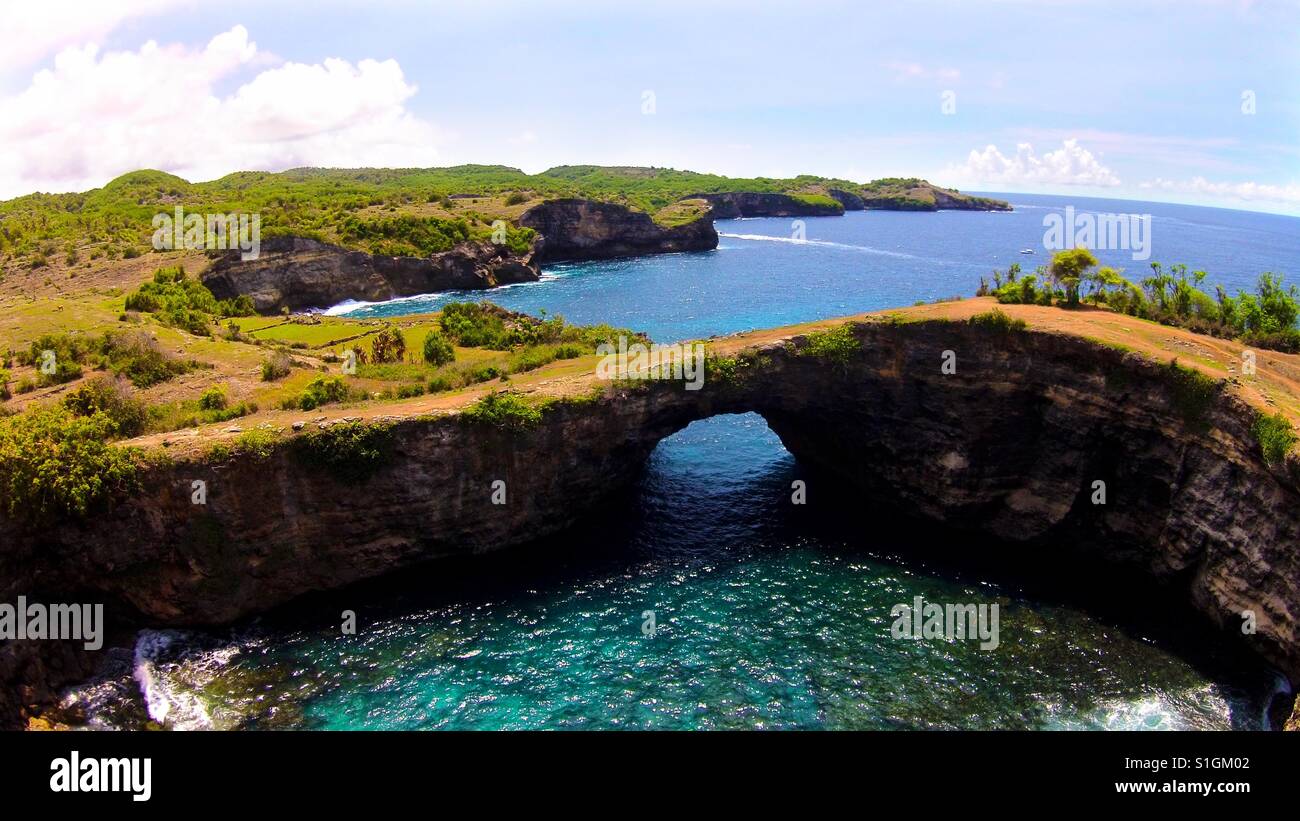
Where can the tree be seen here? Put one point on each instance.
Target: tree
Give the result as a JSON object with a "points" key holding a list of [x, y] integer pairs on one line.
{"points": [[1068, 269], [437, 350], [387, 345], [1102, 280]]}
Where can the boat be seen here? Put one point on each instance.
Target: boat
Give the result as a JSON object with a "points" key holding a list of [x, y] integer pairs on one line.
{"points": [[1026, 250]]}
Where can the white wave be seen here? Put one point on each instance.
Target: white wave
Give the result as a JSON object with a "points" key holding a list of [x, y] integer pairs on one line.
{"points": [[347, 306], [820, 244], [168, 687]]}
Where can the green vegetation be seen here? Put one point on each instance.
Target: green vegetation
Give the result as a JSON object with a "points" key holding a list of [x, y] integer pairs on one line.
{"points": [[133, 354], [996, 320], [323, 390], [1275, 435], [350, 451], [504, 410], [214, 398], [111, 397], [1172, 296], [412, 236], [258, 443], [838, 345], [484, 325], [54, 462], [400, 212], [1193, 393], [184, 303], [437, 350], [277, 367]]}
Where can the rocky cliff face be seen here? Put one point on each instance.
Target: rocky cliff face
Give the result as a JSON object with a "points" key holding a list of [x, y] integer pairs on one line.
{"points": [[850, 201], [734, 205], [1009, 447], [577, 229], [298, 273]]}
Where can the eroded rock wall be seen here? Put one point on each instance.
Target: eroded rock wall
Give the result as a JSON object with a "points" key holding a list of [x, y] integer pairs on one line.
{"points": [[297, 273]]}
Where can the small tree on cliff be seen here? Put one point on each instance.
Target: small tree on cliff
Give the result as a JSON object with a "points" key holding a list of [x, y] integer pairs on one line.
{"points": [[1068, 269], [437, 350]]}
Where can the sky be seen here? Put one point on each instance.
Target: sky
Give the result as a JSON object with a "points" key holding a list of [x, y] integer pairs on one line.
{"points": [[1194, 101]]}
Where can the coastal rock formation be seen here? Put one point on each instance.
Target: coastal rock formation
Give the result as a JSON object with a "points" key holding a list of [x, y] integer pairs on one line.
{"points": [[850, 201], [747, 204], [1009, 447], [297, 273], [577, 229]]}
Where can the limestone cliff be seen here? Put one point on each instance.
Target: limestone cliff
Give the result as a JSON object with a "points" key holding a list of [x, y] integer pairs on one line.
{"points": [[577, 229], [298, 273], [749, 204]]}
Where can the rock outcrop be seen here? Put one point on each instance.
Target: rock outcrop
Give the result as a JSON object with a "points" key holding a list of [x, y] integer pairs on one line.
{"points": [[1008, 447], [850, 201], [749, 204], [578, 229], [297, 273]]}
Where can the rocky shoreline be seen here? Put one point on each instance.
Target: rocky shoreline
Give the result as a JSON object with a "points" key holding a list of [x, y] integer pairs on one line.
{"points": [[297, 273]]}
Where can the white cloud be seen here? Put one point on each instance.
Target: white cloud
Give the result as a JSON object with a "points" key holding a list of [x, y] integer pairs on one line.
{"points": [[1244, 191], [1071, 164], [94, 116], [33, 30]]}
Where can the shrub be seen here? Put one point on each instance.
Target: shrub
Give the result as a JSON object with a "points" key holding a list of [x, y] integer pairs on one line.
{"points": [[1193, 392], [184, 303], [838, 345], [214, 398], [531, 359], [138, 357], [1275, 436], [507, 411], [996, 320], [437, 350], [472, 325], [112, 397], [54, 463], [387, 345], [277, 367], [323, 390], [258, 443], [63, 351], [439, 383], [349, 450]]}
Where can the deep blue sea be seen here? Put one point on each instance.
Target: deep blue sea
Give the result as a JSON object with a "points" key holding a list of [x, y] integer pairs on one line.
{"points": [[766, 615]]}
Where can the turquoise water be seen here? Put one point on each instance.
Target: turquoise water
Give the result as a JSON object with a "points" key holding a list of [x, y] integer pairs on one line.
{"points": [[868, 260], [766, 614]]}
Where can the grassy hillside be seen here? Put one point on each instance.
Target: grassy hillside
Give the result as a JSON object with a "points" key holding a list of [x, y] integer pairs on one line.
{"points": [[393, 211]]}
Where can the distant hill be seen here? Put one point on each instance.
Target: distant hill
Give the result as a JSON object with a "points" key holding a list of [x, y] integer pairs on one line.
{"points": [[359, 207]]}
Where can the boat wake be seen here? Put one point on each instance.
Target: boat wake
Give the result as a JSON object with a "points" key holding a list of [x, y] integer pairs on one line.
{"points": [[866, 249]]}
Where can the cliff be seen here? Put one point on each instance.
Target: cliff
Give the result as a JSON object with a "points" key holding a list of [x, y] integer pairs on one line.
{"points": [[749, 204], [1008, 447], [577, 229], [296, 273], [912, 194]]}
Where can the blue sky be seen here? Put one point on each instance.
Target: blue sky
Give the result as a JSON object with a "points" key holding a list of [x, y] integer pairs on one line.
{"points": [[1142, 100]]}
